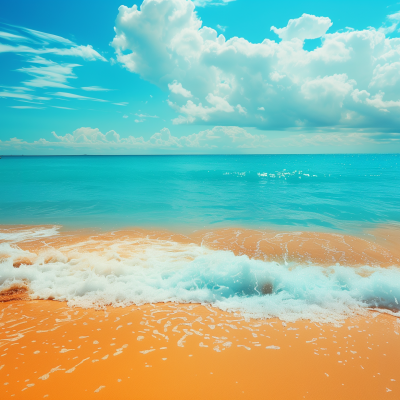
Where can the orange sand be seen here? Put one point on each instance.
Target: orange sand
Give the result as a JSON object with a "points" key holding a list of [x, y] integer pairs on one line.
{"points": [[168, 351]]}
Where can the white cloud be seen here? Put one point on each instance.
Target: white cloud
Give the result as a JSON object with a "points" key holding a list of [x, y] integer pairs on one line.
{"points": [[30, 102], [146, 116], [220, 137], [12, 37], [48, 73], [46, 37], [95, 89], [177, 88], [359, 96], [124, 103], [204, 3], [88, 136], [276, 76], [16, 95], [75, 96], [393, 19], [43, 72], [386, 75], [64, 108], [241, 109], [26, 107], [332, 88], [22, 95], [45, 43], [193, 111], [86, 52], [395, 16], [17, 88], [164, 41], [378, 102], [305, 27]]}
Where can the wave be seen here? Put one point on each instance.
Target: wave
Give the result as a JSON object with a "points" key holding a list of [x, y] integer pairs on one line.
{"points": [[96, 273]]}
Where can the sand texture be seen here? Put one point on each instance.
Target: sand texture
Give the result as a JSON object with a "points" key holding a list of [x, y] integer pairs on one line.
{"points": [[169, 351]]}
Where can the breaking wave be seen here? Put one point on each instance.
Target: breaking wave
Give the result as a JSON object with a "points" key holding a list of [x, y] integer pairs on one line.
{"points": [[124, 272]]}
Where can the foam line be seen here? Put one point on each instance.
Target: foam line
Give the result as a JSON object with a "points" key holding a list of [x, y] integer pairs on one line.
{"points": [[151, 271], [22, 235]]}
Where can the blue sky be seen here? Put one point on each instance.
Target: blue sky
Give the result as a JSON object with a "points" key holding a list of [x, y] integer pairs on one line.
{"points": [[173, 77]]}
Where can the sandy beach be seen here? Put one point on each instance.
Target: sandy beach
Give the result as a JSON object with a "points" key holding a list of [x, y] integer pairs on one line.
{"points": [[169, 351], [54, 349]]}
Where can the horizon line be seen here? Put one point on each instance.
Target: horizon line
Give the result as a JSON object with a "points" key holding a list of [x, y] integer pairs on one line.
{"points": [[189, 154]]}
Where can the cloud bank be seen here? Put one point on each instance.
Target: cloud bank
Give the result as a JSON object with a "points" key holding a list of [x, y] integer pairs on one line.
{"points": [[219, 137], [218, 140], [351, 80]]}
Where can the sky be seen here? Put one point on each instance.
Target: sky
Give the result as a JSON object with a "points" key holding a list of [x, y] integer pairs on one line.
{"points": [[199, 77]]}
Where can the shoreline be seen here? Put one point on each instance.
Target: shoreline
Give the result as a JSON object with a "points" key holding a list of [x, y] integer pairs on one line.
{"points": [[263, 274], [190, 350], [378, 247], [367, 231]]}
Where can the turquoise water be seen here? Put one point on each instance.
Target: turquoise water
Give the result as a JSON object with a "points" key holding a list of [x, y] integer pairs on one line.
{"points": [[334, 192]]}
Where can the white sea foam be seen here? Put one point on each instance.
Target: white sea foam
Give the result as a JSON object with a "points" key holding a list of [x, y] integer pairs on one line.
{"points": [[143, 271], [22, 235]]}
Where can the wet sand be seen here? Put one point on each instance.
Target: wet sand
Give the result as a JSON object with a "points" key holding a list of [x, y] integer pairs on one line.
{"points": [[376, 248], [170, 351]]}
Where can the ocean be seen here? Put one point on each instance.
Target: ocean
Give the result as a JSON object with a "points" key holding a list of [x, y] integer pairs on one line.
{"points": [[288, 236], [337, 192]]}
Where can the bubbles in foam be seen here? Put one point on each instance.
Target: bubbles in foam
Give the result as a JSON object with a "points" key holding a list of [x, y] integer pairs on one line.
{"points": [[123, 272]]}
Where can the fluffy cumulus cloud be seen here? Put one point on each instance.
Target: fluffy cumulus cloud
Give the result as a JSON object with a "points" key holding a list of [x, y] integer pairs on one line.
{"points": [[177, 88], [305, 27], [351, 80]]}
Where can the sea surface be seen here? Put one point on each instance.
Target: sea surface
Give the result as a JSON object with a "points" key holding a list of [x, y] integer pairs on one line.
{"points": [[337, 192], [42, 198]]}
